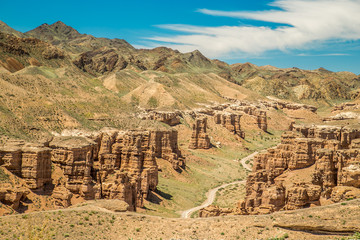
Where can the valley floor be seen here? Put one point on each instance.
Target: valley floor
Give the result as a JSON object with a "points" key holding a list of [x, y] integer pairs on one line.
{"points": [[337, 221]]}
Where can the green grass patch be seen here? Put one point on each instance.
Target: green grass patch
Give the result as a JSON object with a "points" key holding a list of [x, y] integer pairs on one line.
{"points": [[3, 176]]}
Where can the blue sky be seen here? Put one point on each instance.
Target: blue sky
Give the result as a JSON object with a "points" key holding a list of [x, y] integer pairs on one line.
{"points": [[285, 33]]}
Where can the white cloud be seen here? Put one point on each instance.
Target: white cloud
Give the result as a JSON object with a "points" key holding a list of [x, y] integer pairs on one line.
{"points": [[309, 23], [323, 55]]}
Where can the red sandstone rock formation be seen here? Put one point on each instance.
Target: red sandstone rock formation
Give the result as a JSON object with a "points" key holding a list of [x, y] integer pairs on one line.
{"points": [[11, 195], [165, 144], [274, 103], [214, 211], [11, 190], [231, 122], [259, 116], [199, 138], [28, 161], [124, 168], [112, 165], [71, 155], [254, 115], [310, 164]]}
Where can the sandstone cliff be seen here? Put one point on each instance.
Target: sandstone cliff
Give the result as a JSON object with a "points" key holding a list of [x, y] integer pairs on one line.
{"points": [[199, 138], [231, 122], [233, 115], [11, 192], [116, 164], [28, 161], [313, 165], [110, 164], [281, 104]]}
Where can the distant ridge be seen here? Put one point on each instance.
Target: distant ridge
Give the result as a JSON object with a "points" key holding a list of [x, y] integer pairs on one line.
{"points": [[6, 29], [54, 33], [102, 57]]}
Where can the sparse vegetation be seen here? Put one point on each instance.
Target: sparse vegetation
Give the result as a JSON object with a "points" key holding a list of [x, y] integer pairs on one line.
{"points": [[3, 176], [153, 102], [134, 100], [56, 94]]}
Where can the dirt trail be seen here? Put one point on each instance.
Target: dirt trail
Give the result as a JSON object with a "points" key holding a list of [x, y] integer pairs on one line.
{"points": [[211, 194], [245, 159]]}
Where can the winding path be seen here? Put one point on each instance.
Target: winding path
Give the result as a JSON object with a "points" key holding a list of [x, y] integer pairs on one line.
{"points": [[245, 159], [211, 194]]}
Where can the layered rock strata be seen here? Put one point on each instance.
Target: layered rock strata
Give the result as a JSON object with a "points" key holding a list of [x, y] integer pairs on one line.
{"points": [[260, 116], [346, 106], [108, 165], [170, 118], [116, 164], [165, 144], [231, 122], [312, 166], [11, 196], [274, 103], [215, 211], [199, 138], [28, 161], [290, 106], [253, 115]]}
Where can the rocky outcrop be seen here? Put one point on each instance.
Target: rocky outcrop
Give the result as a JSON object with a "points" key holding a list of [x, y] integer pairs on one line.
{"points": [[170, 118], [230, 121], [11, 195], [74, 156], [278, 104], [100, 61], [36, 167], [18, 53], [342, 116], [12, 191], [11, 64], [110, 164], [346, 106], [165, 144], [251, 115], [199, 138], [214, 211], [273, 103], [28, 161], [313, 164], [117, 165], [259, 116], [128, 160]]}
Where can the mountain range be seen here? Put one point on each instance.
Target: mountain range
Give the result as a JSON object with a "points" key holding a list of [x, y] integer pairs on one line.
{"points": [[98, 128], [53, 77]]}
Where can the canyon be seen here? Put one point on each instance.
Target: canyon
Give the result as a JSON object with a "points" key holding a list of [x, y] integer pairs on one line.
{"points": [[313, 166], [111, 164], [94, 126]]}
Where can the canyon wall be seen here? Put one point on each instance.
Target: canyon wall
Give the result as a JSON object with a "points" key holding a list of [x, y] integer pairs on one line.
{"points": [[199, 138], [313, 165], [31, 162], [111, 164], [230, 121]]}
